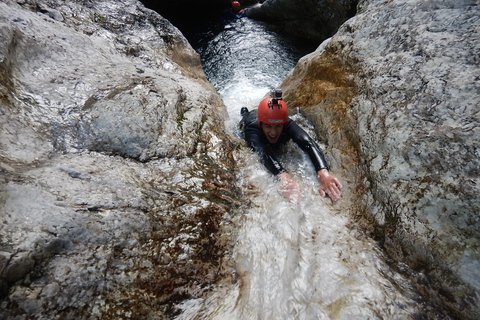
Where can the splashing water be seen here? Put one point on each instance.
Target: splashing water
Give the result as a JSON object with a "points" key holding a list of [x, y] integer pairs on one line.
{"points": [[293, 261], [244, 60]]}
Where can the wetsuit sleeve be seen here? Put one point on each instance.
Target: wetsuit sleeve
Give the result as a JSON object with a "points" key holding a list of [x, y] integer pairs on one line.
{"points": [[254, 140], [306, 143]]}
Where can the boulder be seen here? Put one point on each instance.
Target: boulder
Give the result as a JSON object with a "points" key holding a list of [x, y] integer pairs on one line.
{"points": [[309, 20], [186, 14], [396, 94], [114, 167]]}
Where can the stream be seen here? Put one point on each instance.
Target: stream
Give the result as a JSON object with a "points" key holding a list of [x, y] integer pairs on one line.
{"points": [[293, 261]]}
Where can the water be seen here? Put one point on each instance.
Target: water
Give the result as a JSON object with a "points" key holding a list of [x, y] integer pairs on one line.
{"points": [[244, 60], [293, 261]]}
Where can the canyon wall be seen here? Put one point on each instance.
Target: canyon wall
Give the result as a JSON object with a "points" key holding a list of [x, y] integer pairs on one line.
{"points": [[115, 181], [396, 93]]}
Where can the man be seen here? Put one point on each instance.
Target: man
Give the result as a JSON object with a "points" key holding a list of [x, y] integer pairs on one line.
{"points": [[236, 11], [268, 128]]}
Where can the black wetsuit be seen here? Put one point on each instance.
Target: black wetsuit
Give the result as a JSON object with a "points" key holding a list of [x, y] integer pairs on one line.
{"points": [[257, 140]]}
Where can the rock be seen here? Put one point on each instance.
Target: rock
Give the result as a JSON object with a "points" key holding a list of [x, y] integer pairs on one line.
{"points": [[308, 20], [76, 121], [396, 92], [109, 133], [187, 13], [18, 267]]}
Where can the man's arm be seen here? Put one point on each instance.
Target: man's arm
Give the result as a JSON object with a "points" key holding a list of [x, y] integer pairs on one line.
{"points": [[306, 143], [329, 184]]}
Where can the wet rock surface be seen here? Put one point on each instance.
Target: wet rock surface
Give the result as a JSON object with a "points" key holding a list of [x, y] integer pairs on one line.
{"points": [[186, 14], [116, 189], [308, 20], [396, 93]]}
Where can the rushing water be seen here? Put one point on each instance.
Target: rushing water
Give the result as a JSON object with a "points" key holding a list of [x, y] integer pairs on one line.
{"points": [[293, 261], [244, 59]]}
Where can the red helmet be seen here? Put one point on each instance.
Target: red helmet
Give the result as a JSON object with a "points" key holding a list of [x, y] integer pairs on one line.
{"points": [[272, 113], [235, 5]]}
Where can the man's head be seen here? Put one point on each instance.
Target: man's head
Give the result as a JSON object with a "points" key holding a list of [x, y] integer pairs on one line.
{"points": [[235, 5], [272, 116], [272, 132]]}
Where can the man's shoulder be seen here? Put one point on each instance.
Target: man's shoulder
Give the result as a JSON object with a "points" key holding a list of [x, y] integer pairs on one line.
{"points": [[250, 118], [252, 115], [290, 124], [294, 131]]}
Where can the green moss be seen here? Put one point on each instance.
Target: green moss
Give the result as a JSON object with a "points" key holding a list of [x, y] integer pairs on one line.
{"points": [[99, 18]]}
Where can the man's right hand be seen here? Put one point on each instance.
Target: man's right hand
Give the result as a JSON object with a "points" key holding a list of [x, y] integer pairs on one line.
{"points": [[291, 189]]}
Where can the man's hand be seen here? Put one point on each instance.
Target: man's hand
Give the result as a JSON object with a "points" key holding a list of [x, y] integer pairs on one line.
{"points": [[329, 185], [290, 188]]}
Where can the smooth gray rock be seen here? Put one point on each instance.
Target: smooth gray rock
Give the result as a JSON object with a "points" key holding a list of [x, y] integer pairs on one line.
{"points": [[109, 133], [397, 93], [307, 20]]}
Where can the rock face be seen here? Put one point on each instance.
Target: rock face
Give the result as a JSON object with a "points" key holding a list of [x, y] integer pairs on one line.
{"points": [[307, 20], [397, 93], [114, 174], [187, 13]]}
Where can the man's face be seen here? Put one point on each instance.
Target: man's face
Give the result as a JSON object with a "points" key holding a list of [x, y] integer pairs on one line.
{"points": [[272, 131]]}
